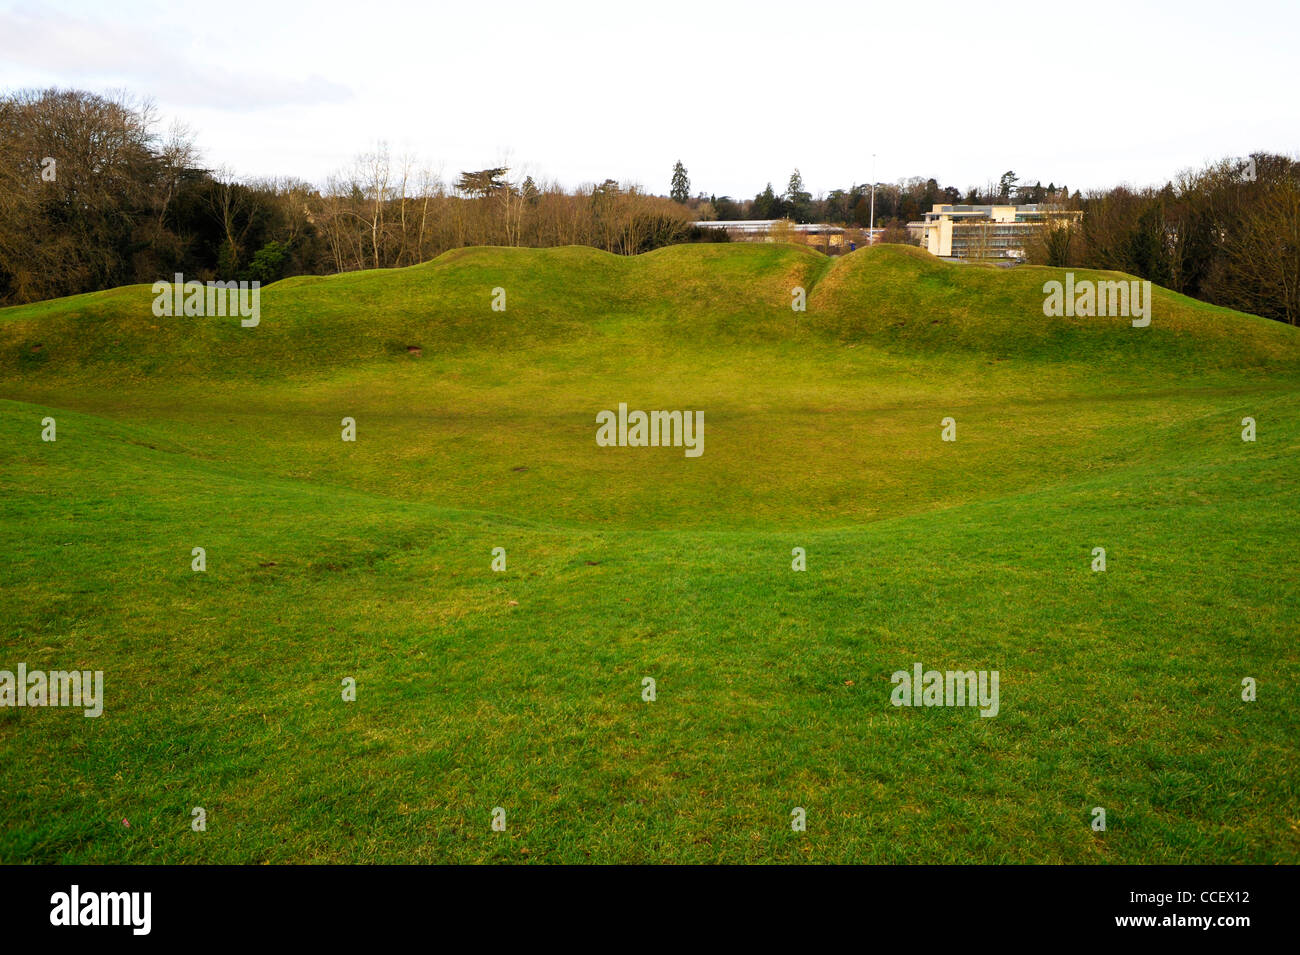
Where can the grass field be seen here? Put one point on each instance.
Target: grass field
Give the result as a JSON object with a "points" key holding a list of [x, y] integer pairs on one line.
{"points": [[522, 689]]}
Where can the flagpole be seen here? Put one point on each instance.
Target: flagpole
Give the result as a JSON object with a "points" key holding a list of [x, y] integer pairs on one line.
{"points": [[871, 231]]}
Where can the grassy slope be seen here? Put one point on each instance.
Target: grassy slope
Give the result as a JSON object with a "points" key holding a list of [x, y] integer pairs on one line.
{"points": [[522, 689]]}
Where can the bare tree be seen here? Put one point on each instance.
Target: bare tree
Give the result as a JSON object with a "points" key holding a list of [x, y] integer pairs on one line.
{"points": [[373, 173], [1264, 254], [228, 200]]}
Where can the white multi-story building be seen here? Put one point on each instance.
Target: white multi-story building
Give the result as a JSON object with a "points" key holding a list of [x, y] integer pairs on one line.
{"points": [[985, 232]]}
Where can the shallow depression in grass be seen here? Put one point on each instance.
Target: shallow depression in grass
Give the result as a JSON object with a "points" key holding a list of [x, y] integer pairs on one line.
{"points": [[522, 688]]}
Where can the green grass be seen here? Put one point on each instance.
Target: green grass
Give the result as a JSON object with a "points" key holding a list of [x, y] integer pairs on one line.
{"points": [[522, 689]]}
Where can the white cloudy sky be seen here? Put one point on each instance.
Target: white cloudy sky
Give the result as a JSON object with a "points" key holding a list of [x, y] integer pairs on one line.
{"points": [[1086, 93]]}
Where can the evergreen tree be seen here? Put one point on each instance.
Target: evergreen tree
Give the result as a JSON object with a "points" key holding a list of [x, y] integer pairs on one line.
{"points": [[483, 182], [798, 201], [766, 205], [1006, 185], [681, 189]]}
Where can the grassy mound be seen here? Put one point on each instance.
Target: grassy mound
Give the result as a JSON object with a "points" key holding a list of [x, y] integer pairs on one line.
{"points": [[522, 689]]}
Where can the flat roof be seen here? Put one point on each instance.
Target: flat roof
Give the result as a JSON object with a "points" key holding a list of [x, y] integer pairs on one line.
{"points": [[754, 224]]}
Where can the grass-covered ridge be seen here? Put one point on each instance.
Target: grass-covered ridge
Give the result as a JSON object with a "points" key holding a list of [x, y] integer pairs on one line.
{"points": [[892, 296], [522, 689]]}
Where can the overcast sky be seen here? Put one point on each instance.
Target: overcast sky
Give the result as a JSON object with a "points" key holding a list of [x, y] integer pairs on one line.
{"points": [[1086, 94]]}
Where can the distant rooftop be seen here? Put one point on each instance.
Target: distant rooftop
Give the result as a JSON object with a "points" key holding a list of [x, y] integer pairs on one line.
{"points": [[764, 225], [1030, 207]]}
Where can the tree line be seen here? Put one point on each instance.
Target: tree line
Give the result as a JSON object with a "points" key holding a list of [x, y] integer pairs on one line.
{"points": [[93, 196], [1228, 234], [896, 204]]}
